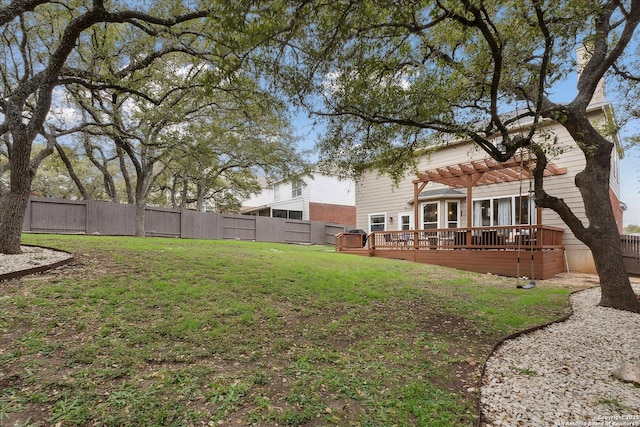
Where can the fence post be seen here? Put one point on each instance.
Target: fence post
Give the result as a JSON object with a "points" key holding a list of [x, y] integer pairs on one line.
{"points": [[182, 225], [26, 222], [89, 227]]}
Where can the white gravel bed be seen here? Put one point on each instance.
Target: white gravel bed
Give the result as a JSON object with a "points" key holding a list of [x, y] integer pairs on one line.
{"points": [[561, 375], [30, 257]]}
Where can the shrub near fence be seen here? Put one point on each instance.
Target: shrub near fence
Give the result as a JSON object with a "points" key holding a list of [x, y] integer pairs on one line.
{"points": [[115, 219]]}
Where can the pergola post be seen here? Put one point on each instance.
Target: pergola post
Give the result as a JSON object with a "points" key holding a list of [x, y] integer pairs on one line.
{"points": [[418, 186], [469, 212]]}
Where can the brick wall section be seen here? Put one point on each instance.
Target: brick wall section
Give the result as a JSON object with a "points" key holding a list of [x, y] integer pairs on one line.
{"points": [[617, 212], [338, 214]]}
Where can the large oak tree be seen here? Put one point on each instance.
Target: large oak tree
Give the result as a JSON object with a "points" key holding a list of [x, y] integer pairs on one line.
{"points": [[389, 76], [39, 41], [169, 120]]}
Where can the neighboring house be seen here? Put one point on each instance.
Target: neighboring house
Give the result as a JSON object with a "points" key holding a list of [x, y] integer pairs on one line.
{"points": [[502, 199], [316, 197]]}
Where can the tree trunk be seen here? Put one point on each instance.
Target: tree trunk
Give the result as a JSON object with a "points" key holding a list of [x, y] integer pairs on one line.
{"points": [[601, 235], [140, 212], [614, 279], [72, 172], [174, 185], [14, 202], [110, 187], [141, 203], [184, 194], [200, 197], [125, 173], [14, 207], [603, 239]]}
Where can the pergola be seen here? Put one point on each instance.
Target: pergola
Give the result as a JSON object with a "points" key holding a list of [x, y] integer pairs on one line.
{"points": [[480, 172]]}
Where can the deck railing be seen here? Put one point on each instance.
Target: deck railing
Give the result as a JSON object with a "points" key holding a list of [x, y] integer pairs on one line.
{"points": [[496, 237], [349, 240]]}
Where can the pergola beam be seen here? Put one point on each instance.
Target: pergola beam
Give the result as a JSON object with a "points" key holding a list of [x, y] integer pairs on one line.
{"points": [[487, 171]]}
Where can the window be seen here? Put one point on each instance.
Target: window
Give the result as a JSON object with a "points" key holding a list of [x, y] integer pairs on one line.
{"points": [[276, 192], [377, 222], [513, 210], [452, 214], [283, 213], [295, 214], [482, 213], [296, 188], [615, 165], [525, 210], [430, 215], [502, 211], [405, 221]]}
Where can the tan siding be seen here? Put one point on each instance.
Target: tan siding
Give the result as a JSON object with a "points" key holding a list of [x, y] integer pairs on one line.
{"points": [[563, 186], [376, 194]]}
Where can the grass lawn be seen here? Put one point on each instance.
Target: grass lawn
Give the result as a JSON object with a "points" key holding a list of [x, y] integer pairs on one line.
{"points": [[169, 332]]}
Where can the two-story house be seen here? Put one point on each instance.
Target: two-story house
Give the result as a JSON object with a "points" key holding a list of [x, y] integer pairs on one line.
{"points": [[315, 197]]}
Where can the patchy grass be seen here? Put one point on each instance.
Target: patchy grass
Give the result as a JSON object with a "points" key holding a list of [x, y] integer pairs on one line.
{"points": [[190, 332]]}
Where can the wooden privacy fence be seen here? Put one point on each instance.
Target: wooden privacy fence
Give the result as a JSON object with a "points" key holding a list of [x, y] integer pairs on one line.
{"points": [[631, 253], [115, 219]]}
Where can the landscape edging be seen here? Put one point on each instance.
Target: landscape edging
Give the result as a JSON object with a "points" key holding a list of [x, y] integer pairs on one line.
{"points": [[514, 336], [40, 268]]}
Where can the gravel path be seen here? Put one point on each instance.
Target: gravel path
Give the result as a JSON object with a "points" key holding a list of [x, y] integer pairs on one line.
{"points": [[561, 375]]}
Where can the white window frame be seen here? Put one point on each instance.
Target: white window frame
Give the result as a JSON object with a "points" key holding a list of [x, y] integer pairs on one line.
{"points": [[296, 188], [458, 213], [473, 211], [493, 199], [379, 214], [615, 165], [405, 214], [438, 214], [533, 218], [276, 191]]}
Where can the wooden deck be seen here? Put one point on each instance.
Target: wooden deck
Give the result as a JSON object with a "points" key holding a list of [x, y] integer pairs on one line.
{"points": [[515, 251]]}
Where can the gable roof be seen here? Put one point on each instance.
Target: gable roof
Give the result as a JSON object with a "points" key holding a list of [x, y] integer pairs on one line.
{"points": [[449, 193]]}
